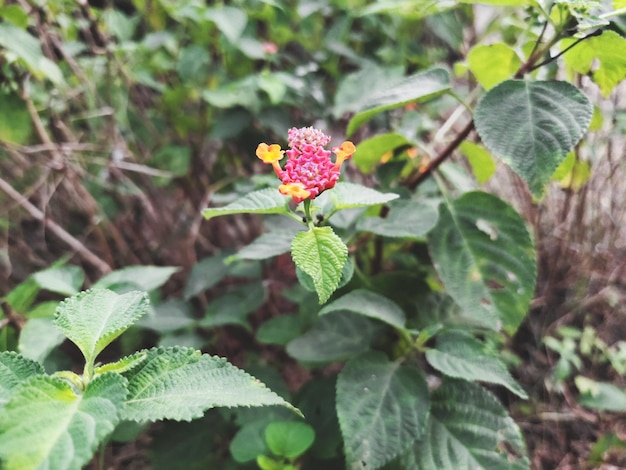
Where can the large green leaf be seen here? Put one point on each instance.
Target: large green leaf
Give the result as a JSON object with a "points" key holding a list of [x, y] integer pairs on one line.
{"points": [[382, 407], [334, 337], [405, 219], [351, 196], [263, 201], [182, 383], [493, 64], [369, 304], [485, 258], [532, 125], [15, 369], [604, 54], [462, 356], [66, 280], [94, 318], [46, 424], [418, 87], [468, 430], [321, 254]]}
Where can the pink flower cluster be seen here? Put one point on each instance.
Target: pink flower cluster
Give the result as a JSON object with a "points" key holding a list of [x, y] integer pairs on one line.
{"points": [[309, 169]]}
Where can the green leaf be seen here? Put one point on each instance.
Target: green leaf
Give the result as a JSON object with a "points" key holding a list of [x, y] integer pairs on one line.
{"points": [[600, 395], [94, 318], [418, 87], [47, 425], [28, 49], [65, 280], [468, 429], [124, 364], [370, 152], [405, 219], [146, 278], [279, 330], [38, 338], [168, 316], [234, 306], [462, 356], [382, 408], [204, 275], [15, 123], [532, 125], [321, 254], [263, 201], [351, 196], [512, 3], [14, 370], [231, 21], [408, 8], [369, 304], [182, 383], [249, 442], [483, 164], [485, 258], [493, 64], [266, 246], [289, 439], [602, 53], [333, 338]]}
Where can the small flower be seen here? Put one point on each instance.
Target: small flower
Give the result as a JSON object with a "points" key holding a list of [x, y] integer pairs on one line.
{"points": [[309, 170]]}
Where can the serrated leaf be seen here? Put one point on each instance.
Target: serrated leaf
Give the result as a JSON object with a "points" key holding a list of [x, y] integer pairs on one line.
{"points": [[263, 201], [485, 258], [47, 425], [493, 64], [182, 383], [462, 356], [351, 196], [532, 125], [468, 429], [382, 408], [482, 163], [405, 219], [370, 152], [94, 318], [146, 278], [418, 87], [321, 254], [15, 369], [602, 53], [123, 365], [369, 304], [334, 337], [38, 337]]}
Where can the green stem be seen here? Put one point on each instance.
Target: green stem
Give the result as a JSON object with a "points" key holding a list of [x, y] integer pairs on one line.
{"points": [[307, 213]]}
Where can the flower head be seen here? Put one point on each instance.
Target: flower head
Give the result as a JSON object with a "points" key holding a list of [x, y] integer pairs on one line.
{"points": [[309, 170]]}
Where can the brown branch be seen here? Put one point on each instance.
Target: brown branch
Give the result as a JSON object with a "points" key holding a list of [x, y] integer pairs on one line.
{"points": [[55, 228]]}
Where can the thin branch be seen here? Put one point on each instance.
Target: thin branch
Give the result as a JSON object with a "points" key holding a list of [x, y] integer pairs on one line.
{"points": [[55, 228]]}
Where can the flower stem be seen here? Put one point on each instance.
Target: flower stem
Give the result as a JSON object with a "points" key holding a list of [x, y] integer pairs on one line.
{"points": [[307, 213]]}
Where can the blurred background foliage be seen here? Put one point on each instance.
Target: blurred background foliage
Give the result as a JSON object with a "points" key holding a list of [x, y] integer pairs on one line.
{"points": [[121, 120]]}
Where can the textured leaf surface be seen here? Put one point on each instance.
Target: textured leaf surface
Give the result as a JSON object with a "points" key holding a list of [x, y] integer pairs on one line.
{"points": [[468, 430], [418, 87], [493, 64], [404, 219], [351, 196], [15, 369], [382, 408], [369, 304], [321, 254], [94, 318], [263, 201], [532, 125], [606, 51], [462, 356], [334, 337], [46, 425], [182, 383], [485, 258]]}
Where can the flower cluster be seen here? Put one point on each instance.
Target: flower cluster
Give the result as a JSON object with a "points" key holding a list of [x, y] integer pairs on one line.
{"points": [[309, 169]]}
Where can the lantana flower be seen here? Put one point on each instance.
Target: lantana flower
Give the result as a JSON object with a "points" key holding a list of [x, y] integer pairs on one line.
{"points": [[309, 169]]}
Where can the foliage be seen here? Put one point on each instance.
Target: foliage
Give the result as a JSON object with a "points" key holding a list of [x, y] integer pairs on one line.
{"points": [[381, 290]]}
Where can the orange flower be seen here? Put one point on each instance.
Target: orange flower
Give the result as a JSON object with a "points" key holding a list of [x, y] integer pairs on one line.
{"points": [[296, 190], [269, 153], [343, 152]]}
